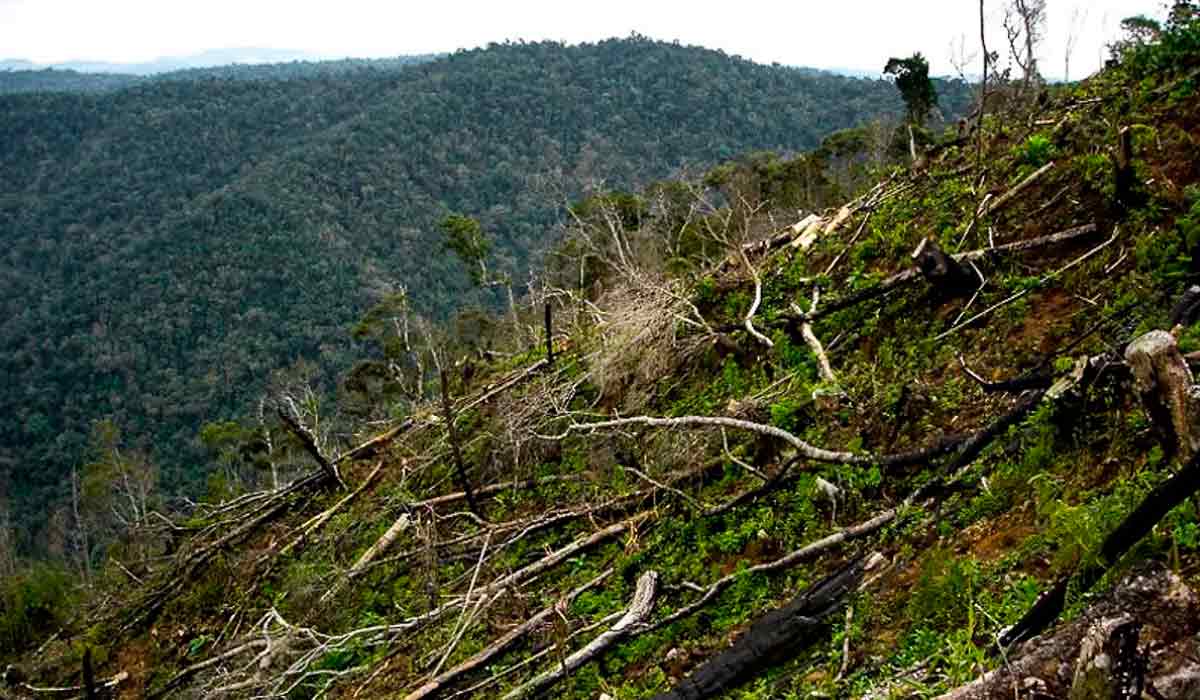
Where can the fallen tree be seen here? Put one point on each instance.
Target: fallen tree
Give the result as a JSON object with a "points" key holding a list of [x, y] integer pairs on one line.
{"points": [[781, 632]]}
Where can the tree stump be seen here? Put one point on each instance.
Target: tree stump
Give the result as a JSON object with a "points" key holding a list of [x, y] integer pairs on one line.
{"points": [[1124, 176], [1166, 387], [948, 277]]}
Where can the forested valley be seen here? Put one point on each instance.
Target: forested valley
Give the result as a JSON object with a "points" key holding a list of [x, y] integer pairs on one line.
{"points": [[173, 248]]}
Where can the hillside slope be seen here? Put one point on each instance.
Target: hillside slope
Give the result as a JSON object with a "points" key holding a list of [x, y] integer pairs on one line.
{"points": [[169, 245], [800, 413]]}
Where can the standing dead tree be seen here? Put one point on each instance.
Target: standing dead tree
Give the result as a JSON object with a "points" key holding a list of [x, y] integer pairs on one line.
{"points": [[1024, 26], [460, 470], [292, 417]]}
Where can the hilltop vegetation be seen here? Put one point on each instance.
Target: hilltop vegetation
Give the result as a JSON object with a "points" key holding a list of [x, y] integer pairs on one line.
{"points": [[170, 245], [868, 441], [71, 80]]}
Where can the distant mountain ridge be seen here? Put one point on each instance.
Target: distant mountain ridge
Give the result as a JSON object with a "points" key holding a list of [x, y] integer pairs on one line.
{"points": [[211, 58], [252, 64]]}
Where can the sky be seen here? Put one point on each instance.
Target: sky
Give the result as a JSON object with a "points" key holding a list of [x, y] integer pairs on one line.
{"points": [[841, 34]]}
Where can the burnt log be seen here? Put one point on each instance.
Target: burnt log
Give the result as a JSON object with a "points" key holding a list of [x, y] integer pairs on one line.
{"points": [[943, 272], [1187, 309], [1153, 508], [776, 635]]}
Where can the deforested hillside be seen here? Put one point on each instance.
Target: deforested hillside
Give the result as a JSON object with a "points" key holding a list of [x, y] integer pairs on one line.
{"points": [[937, 439], [170, 246]]}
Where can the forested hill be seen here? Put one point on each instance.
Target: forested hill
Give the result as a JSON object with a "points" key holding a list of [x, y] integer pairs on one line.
{"points": [[56, 79], [168, 245]]}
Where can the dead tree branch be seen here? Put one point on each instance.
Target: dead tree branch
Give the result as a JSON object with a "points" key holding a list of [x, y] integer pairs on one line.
{"points": [[502, 644], [639, 609]]}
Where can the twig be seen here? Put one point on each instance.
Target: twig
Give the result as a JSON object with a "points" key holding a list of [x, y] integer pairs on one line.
{"points": [[982, 284], [846, 644], [465, 619], [749, 321], [1017, 295]]}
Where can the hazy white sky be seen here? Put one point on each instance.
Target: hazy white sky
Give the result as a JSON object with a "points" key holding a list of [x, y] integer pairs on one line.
{"points": [[857, 34]]}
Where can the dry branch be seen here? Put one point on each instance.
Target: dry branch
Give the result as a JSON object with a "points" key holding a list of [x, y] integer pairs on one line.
{"points": [[749, 321], [806, 330], [192, 670], [502, 644], [1008, 196], [815, 453], [1040, 282], [639, 608]]}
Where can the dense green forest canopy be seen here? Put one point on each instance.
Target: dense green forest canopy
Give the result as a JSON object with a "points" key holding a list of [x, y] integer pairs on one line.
{"points": [[169, 245]]}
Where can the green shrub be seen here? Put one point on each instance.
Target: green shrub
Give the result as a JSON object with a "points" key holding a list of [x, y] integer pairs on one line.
{"points": [[1036, 151], [32, 604]]}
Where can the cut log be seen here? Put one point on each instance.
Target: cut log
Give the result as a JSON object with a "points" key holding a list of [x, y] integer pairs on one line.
{"points": [[1155, 598], [807, 231], [1165, 384], [639, 608], [779, 633]]}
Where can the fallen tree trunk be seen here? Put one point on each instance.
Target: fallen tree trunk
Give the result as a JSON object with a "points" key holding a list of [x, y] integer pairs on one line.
{"points": [[912, 274], [498, 647], [639, 608], [779, 633]]}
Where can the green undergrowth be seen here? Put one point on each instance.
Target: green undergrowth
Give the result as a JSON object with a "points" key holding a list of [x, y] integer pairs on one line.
{"points": [[1036, 504]]}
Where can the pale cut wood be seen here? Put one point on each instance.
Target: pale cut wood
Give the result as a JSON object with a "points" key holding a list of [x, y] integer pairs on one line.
{"points": [[639, 609]]}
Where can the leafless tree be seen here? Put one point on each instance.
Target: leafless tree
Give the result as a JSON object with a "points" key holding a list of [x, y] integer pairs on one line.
{"points": [[1078, 19], [1024, 27]]}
